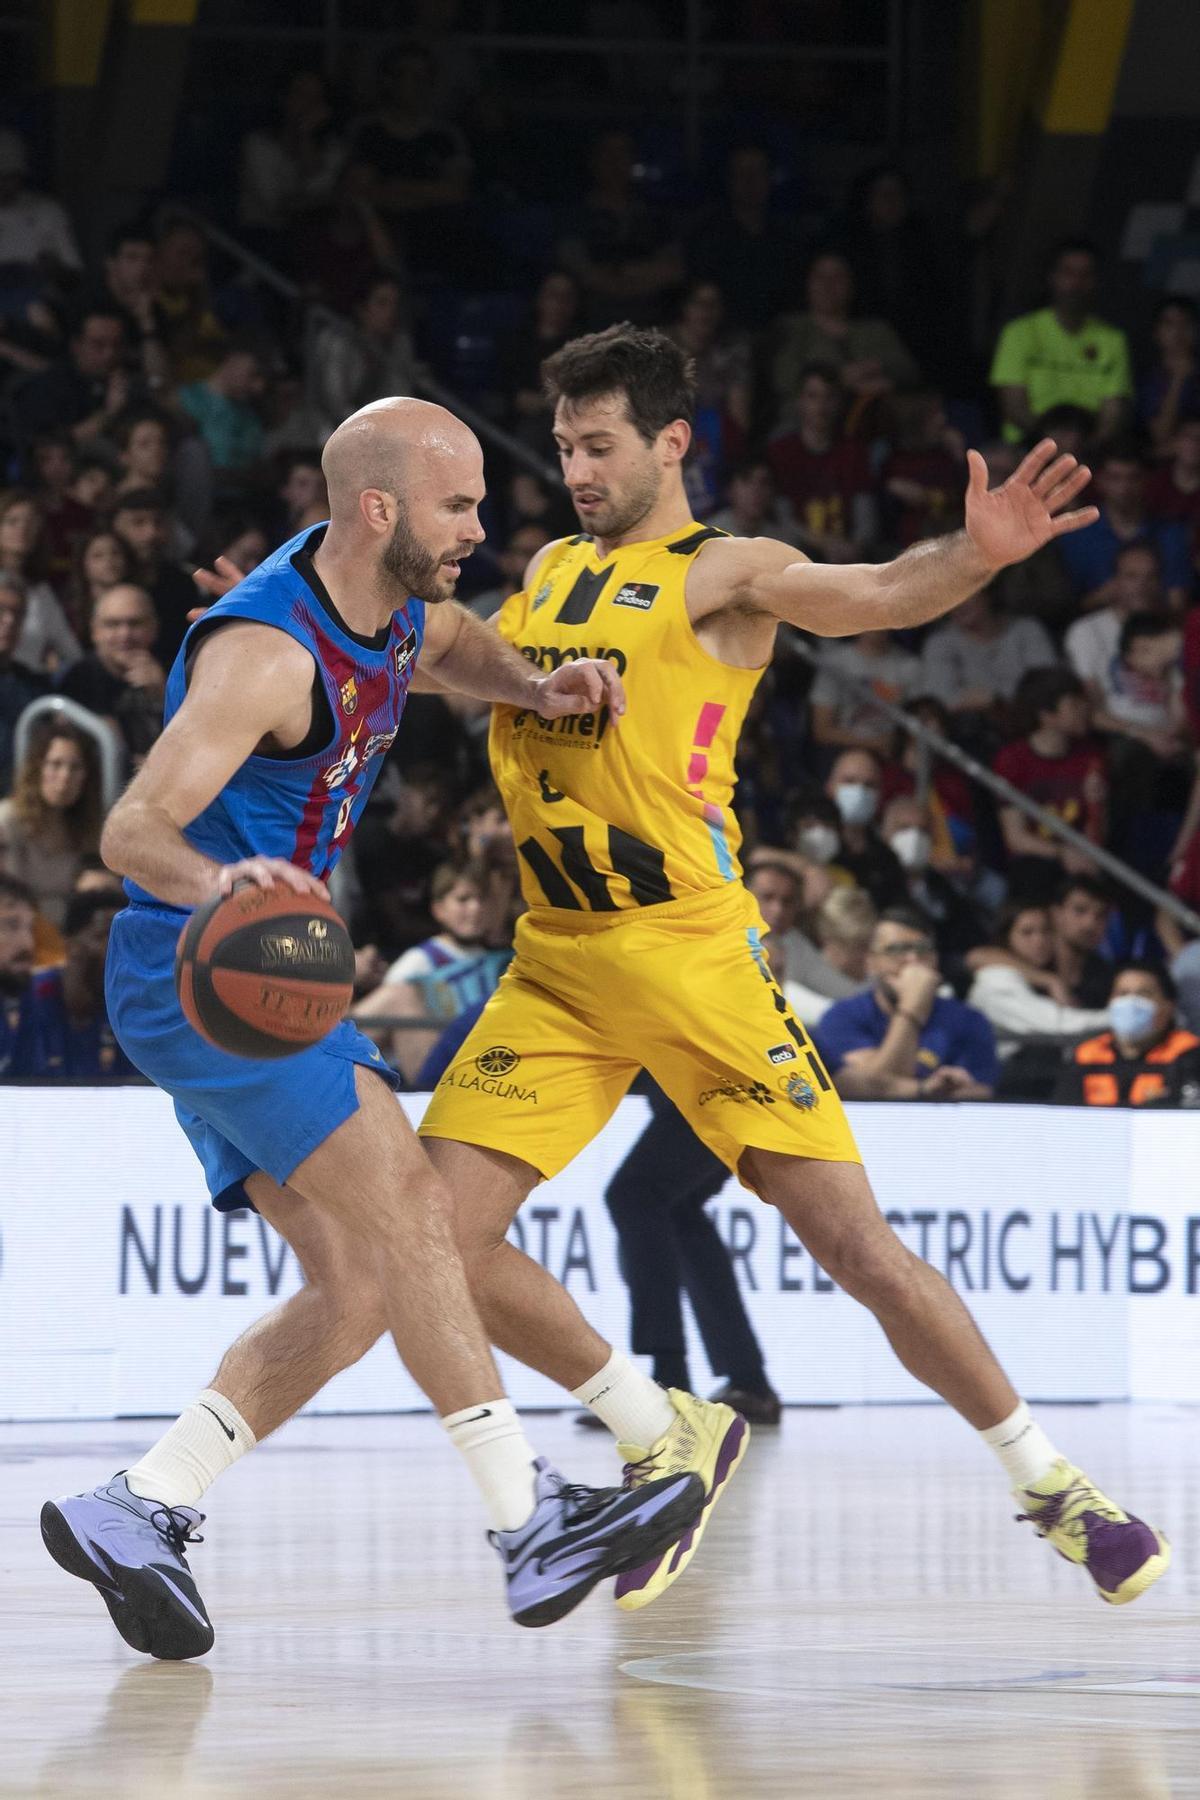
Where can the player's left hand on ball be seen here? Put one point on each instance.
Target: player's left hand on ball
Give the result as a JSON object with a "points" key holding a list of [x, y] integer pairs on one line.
{"points": [[582, 686], [265, 871]]}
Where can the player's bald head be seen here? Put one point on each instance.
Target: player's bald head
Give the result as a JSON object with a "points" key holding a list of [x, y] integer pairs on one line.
{"points": [[405, 483], [393, 445]]}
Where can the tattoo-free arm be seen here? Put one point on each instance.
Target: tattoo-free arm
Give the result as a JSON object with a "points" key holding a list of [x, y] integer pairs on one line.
{"points": [[464, 656], [248, 681], [1003, 526]]}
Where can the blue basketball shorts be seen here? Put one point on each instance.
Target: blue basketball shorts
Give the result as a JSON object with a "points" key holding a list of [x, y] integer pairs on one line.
{"points": [[239, 1116]]}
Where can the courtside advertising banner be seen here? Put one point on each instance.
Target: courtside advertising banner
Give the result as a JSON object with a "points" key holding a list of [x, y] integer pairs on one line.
{"points": [[1073, 1236]]}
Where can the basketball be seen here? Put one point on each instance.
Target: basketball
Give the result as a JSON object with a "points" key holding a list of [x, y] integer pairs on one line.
{"points": [[264, 972]]}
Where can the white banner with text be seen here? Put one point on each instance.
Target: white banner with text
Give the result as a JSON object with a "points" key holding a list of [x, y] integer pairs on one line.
{"points": [[1073, 1236]]}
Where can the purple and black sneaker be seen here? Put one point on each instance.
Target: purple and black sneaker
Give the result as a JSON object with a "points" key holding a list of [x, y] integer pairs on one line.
{"points": [[578, 1536], [1122, 1554], [131, 1550]]}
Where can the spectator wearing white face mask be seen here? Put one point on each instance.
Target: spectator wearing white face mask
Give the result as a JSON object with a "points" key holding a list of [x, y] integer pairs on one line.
{"points": [[854, 786], [953, 921], [813, 834]]}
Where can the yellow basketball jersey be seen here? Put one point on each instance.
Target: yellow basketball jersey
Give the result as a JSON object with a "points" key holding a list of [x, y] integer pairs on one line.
{"points": [[613, 815]]}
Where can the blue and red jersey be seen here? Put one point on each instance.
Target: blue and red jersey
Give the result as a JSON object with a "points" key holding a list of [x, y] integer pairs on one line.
{"points": [[302, 807]]}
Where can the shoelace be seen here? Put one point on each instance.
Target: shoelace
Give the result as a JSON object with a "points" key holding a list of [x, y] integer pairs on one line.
{"points": [[642, 1470], [1074, 1501], [584, 1502], [177, 1527]]}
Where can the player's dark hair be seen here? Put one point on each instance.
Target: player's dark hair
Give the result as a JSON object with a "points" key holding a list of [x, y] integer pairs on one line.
{"points": [[654, 376], [82, 909], [1158, 972], [15, 892], [1144, 625]]}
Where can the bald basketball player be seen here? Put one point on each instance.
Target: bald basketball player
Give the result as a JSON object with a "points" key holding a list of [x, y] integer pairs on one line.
{"points": [[279, 707]]}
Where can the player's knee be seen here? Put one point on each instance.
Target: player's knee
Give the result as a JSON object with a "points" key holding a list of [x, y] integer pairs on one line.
{"points": [[874, 1268]]}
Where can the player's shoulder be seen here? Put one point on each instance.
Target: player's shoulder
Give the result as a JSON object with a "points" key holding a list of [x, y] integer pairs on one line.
{"points": [[542, 561], [725, 570], [252, 653]]}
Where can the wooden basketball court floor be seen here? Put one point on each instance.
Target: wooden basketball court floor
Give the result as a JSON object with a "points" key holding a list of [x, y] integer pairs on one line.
{"points": [[864, 1620]]}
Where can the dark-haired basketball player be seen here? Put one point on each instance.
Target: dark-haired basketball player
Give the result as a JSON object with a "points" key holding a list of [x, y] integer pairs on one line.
{"points": [[642, 947], [279, 707]]}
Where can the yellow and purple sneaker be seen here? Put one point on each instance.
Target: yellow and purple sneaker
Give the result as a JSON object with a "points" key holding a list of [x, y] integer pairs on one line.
{"points": [[1120, 1553], [708, 1440]]}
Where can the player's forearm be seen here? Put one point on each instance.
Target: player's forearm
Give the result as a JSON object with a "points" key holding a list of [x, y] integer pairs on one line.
{"points": [[143, 842], [922, 584], [481, 664]]}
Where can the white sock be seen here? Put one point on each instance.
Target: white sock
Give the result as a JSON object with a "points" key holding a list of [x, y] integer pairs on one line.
{"points": [[498, 1454], [206, 1439], [635, 1409], [1022, 1446]]}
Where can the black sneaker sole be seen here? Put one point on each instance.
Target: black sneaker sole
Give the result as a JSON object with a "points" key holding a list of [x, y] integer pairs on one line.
{"points": [[630, 1551], [141, 1606]]}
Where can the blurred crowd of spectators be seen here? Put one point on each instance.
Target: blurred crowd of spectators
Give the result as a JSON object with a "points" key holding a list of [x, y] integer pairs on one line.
{"points": [[159, 407]]}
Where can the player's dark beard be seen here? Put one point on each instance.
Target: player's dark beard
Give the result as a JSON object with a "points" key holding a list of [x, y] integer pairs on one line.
{"points": [[621, 515], [411, 565]]}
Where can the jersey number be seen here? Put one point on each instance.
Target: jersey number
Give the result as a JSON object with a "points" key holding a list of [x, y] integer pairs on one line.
{"points": [[641, 865], [343, 818]]}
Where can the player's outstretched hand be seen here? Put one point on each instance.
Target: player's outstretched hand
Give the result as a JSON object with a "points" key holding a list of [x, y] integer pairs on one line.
{"points": [[216, 582], [1010, 522], [578, 687], [265, 871]]}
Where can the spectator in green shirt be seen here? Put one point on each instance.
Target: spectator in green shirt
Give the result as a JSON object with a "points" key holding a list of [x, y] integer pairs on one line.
{"points": [[1063, 353], [223, 410]]}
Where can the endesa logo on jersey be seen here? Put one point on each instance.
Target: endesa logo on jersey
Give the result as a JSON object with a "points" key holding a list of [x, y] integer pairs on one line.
{"points": [[638, 594], [404, 652]]}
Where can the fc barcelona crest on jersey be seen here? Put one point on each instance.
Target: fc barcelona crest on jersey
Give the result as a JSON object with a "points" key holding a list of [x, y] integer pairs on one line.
{"points": [[349, 695]]}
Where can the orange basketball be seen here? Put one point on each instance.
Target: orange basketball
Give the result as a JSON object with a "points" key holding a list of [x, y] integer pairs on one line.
{"points": [[264, 972]]}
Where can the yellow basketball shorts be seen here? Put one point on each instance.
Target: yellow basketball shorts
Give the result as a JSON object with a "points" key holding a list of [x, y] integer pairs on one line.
{"points": [[682, 990]]}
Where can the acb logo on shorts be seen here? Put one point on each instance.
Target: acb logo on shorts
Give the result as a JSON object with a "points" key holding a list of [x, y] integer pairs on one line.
{"points": [[499, 1060]]}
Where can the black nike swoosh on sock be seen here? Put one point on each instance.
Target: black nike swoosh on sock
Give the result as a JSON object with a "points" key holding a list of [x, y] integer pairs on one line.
{"points": [[220, 1421], [485, 1412]]}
